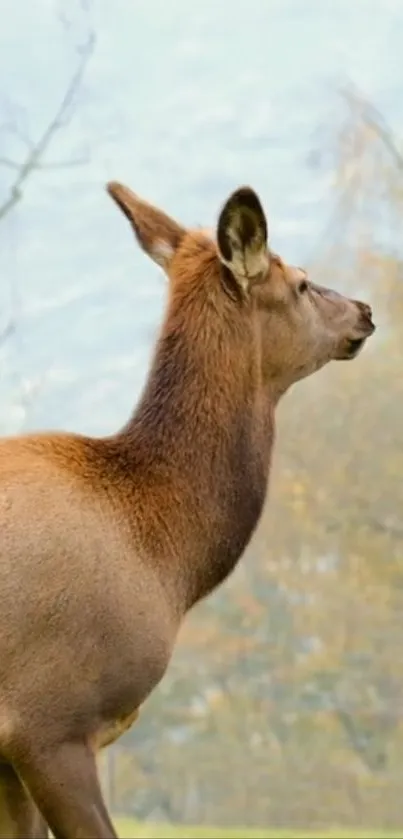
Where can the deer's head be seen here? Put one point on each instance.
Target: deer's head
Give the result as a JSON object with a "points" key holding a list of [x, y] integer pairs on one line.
{"points": [[297, 326]]}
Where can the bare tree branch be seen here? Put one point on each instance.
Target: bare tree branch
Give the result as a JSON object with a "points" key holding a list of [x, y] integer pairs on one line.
{"points": [[37, 150], [374, 119]]}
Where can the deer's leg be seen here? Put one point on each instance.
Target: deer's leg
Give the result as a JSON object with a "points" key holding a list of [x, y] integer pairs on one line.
{"points": [[64, 784], [19, 817]]}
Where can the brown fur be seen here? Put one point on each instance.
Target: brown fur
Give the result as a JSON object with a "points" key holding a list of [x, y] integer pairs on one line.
{"points": [[107, 543]]}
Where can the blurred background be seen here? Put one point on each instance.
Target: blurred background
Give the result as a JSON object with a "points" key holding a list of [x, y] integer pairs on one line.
{"points": [[283, 705]]}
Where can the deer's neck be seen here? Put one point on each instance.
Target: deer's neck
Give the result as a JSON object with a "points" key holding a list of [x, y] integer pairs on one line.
{"points": [[202, 439]]}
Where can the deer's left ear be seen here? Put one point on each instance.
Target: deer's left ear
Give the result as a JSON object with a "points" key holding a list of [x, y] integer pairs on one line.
{"points": [[157, 233], [242, 237]]}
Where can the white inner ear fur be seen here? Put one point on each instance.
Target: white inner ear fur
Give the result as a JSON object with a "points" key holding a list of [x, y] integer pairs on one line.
{"points": [[162, 252], [248, 265]]}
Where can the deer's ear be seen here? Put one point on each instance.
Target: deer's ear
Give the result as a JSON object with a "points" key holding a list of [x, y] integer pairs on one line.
{"points": [[242, 237], [158, 234]]}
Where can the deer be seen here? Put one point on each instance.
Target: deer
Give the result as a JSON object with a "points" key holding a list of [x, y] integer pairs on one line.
{"points": [[106, 543]]}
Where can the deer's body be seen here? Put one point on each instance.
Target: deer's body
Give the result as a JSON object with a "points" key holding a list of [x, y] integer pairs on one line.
{"points": [[82, 498], [97, 621], [105, 544]]}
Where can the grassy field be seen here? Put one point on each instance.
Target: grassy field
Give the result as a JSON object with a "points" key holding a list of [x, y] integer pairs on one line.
{"points": [[129, 829]]}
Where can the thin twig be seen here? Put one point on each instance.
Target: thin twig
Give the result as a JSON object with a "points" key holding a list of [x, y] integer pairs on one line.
{"points": [[55, 164], [8, 330]]}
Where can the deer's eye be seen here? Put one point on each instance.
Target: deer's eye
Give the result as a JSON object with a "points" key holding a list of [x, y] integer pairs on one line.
{"points": [[303, 286]]}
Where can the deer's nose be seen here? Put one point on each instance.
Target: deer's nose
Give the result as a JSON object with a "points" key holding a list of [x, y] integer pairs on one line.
{"points": [[365, 309]]}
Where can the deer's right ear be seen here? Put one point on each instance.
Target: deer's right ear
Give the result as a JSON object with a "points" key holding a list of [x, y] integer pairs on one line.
{"points": [[242, 237], [158, 234]]}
